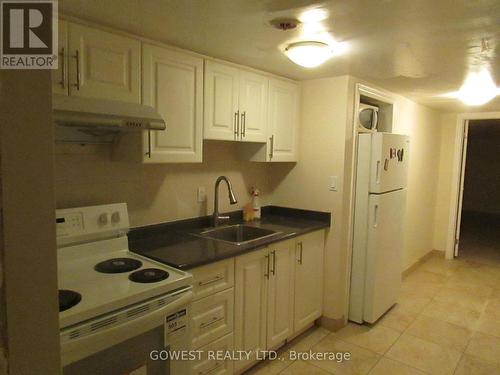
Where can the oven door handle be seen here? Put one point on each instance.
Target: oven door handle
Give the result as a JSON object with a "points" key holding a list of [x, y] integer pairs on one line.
{"points": [[76, 349]]}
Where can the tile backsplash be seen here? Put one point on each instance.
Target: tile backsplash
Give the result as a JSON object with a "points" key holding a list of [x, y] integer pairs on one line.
{"points": [[87, 175]]}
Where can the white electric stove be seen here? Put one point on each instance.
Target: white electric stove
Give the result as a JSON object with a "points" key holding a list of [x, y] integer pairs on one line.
{"points": [[109, 295]]}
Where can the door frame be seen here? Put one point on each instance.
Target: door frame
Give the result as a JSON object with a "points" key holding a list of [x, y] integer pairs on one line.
{"points": [[458, 172]]}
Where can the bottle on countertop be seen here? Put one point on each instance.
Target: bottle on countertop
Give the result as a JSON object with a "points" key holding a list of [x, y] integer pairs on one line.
{"points": [[256, 203]]}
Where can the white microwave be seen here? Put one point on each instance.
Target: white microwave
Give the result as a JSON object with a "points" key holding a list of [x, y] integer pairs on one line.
{"points": [[367, 118]]}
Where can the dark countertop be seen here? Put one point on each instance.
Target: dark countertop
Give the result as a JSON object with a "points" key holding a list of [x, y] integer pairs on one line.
{"points": [[175, 244]]}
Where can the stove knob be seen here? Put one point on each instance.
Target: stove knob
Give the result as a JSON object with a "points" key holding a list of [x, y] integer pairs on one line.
{"points": [[103, 219], [115, 217]]}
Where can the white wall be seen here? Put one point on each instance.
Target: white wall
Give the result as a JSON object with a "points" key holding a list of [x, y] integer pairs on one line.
{"points": [[442, 212], [422, 124], [87, 175]]}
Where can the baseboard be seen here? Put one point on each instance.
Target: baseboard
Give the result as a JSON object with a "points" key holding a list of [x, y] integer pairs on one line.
{"points": [[332, 324], [419, 262]]}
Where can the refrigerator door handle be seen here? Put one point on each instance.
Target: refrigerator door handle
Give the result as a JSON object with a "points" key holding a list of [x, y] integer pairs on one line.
{"points": [[377, 173], [375, 216]]}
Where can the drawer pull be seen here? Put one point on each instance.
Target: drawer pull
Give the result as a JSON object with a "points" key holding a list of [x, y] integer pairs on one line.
{"points": [[217, 365], [214, 320], [210, 281]]}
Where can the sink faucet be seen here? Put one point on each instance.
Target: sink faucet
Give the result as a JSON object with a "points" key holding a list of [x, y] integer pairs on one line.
{"points": [[216, 218]]}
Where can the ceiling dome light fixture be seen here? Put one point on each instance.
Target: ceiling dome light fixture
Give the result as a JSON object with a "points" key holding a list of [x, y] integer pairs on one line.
{"points": [[309, 54], [478, 88]]}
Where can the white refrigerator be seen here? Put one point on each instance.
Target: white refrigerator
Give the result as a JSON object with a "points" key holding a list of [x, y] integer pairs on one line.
{"points": [[381, 179]]}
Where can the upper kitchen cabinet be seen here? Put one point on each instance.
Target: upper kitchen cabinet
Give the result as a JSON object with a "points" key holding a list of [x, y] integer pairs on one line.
{"points": [[282, 123], [253, 107], [221, 101], [60, 76], [283, 118], [103, 65], [235, 104], [173, 84]]}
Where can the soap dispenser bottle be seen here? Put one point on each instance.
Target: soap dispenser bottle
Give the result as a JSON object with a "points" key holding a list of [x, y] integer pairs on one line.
{"points": [[256, 203]]}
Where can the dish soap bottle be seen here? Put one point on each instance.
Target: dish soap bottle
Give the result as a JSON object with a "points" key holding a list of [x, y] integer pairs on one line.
{"points": [[256, 203]]}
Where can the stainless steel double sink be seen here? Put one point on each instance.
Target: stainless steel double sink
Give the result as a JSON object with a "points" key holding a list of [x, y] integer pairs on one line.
{"points": [[237, 234]]}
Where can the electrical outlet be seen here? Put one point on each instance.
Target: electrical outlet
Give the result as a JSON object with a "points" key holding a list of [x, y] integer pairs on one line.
{"points": [[202, 194]]}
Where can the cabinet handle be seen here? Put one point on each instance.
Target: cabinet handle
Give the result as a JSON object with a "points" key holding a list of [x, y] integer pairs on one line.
{"points": [[63, 68], [214, 320], [300, 252], [377, 173], [271, 151], [267, 267], [274, 262], [77, 57], [236, 124], [243, 123], [211, 281]]}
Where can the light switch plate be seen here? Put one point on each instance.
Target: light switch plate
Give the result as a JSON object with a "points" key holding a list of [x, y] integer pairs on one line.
{"points": [[333, 183], [202, 194]]}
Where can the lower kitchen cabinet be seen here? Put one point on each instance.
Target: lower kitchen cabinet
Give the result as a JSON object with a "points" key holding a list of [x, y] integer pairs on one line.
{"points": [[213, 278], [208, 365], [308, 279], [251, 278], [212, 317], [280, 293]]}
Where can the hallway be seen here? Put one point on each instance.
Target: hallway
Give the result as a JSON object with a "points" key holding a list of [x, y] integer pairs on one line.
{"points": [[480, 238], [447, 321]]}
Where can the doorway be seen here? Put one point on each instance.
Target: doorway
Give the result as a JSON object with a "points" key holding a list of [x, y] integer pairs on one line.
{"points": [[478, 225]]}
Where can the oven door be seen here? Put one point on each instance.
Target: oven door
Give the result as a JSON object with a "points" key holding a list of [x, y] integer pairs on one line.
{"points": [[121, 343], [131, 357]]}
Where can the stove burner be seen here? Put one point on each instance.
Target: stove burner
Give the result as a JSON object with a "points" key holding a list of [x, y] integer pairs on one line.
{"points": [[118, 265], [148, 275], [68, 299]]}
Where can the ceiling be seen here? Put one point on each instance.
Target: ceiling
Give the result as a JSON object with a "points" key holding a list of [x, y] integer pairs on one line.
{"points": [[418, 48]]}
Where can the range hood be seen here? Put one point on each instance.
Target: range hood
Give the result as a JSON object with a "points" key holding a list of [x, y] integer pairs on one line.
{"points": [[84, 120]]}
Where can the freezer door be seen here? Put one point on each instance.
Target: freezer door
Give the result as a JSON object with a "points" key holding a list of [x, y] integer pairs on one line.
{"points": [[383, 255], [389, 162]]}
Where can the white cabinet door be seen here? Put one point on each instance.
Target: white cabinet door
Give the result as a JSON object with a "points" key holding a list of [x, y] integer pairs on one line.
{"points": [[280, 293], [253, 107], [284, 100], [60, 76], [173, 84], [104, 65], [222, 117], [250, 306], [308, 279]]}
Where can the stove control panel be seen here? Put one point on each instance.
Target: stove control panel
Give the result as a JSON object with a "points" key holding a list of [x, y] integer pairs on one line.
{"points": [[84, 223], [71, 223]]}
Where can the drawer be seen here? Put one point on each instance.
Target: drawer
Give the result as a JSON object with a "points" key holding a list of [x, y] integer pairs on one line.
{"points": [[212, 366], [212, 278], [211, 318]]}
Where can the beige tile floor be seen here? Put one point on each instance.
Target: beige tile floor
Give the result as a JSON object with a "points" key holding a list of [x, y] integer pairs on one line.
{"points": [[447, 321]]}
